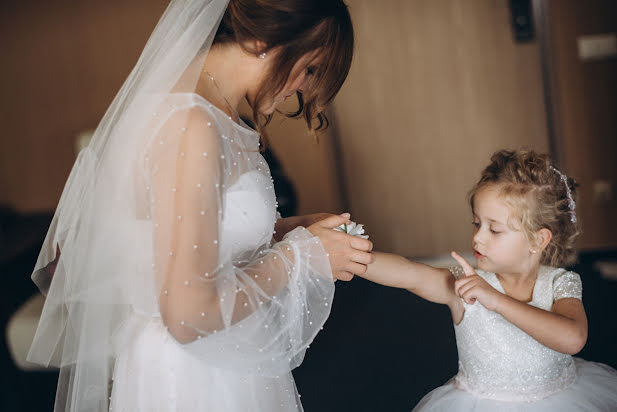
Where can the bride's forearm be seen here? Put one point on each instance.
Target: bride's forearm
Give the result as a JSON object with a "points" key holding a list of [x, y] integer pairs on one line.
{"points": [[193, 312], [285, 225]]}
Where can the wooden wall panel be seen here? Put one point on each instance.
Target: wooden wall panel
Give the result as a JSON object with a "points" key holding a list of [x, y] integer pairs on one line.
{"points": [[584, 103], [435, 88]]}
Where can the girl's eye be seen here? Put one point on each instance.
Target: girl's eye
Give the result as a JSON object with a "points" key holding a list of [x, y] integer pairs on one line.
{"points": [[495, 232], [475, 224]]}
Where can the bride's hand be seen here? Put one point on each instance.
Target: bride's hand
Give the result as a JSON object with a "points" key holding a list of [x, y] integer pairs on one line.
{"points": [[285, 225], [348, 254]]}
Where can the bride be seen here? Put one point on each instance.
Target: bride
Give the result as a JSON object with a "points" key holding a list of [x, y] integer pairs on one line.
{"points": [[172, 283]]}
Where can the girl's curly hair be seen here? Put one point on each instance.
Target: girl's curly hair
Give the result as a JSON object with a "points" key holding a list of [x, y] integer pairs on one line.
{"points": [[539, 199]]}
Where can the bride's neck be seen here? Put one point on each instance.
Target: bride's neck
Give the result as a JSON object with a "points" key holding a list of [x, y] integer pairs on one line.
{"points": [[233, 74]]}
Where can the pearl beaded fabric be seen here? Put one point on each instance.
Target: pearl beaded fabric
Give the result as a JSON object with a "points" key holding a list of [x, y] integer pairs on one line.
{"points": [[503, 368], [169, 293], [232, 311]]}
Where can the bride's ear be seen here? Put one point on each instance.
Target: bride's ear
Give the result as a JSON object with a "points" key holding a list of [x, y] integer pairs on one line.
{"points": [[258, 48], [543, 238]]}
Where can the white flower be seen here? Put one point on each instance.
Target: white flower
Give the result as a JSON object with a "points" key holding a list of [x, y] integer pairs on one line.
{"points": [[353, 229]]}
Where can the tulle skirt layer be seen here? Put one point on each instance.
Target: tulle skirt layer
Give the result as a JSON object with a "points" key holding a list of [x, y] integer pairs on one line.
{"points": [[155, 373], [594, 390]]}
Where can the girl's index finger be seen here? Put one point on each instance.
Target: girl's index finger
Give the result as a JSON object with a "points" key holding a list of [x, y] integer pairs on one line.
{"points": [[469, 270]]}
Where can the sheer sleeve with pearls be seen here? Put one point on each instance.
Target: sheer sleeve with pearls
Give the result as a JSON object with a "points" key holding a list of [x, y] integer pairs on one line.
{"points": [[226, 292]]}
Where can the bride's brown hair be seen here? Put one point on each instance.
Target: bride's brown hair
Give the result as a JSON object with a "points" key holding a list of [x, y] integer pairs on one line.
{"points": [[295, 28]]}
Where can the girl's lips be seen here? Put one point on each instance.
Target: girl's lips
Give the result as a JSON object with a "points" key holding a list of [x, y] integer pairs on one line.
{"points": [[478, 255]]}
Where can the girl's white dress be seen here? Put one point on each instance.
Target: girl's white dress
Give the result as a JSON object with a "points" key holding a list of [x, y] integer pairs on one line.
{"points": [[501, 368]]}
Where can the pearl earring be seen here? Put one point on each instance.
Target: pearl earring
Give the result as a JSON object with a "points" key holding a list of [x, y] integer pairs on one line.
{"points": [[262, 55], [534, 251]]}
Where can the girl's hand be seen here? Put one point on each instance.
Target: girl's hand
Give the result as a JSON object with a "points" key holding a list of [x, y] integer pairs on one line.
{"points": [[472, 287], [348, 254]]}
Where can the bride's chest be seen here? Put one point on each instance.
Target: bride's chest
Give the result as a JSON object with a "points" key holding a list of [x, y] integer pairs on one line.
{"points": [[248, 212]]}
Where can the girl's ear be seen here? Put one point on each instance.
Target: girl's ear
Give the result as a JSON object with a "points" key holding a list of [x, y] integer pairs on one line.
{"points": [[543, 238]]}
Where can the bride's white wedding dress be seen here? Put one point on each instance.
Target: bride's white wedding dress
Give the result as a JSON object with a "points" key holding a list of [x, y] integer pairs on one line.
{"points": [[271, 299], [164, 288]]}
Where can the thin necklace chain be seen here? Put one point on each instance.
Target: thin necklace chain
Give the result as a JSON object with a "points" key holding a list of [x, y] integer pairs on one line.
{"points": [[229, 106]]}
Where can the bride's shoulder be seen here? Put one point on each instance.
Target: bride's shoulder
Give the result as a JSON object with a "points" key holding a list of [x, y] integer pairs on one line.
{"points": [[189, 114], [184, 122], [190, 105]]}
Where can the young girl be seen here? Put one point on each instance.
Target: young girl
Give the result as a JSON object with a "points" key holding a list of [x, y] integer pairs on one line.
{"points": [[519, 317]]}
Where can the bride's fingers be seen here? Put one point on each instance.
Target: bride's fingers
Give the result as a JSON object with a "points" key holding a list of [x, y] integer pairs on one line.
{"points": [[346, 276], [469, 270], [335, 220], [355, 268], [364, 258], [361, 244]]}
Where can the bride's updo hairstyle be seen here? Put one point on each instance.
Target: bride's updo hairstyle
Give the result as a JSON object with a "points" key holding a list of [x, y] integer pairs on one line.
{"points": [[540, 197], [295, 27]]}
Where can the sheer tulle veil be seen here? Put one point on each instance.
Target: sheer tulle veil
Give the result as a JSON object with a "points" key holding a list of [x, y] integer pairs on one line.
{"points": [[92, 290]]}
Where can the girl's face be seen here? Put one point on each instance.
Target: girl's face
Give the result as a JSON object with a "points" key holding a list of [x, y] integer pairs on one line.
{"points": [[498, 247], [301, 75]]}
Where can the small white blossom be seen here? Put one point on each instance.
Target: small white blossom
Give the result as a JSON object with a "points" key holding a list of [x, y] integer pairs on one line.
{"points": [[353, 229]]}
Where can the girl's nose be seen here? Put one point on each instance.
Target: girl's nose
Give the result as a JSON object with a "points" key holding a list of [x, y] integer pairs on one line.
{"points": [[476, 239]]}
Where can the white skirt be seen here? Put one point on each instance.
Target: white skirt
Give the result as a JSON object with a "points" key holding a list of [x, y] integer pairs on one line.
{"points": [[153, 372], [594, 390]]}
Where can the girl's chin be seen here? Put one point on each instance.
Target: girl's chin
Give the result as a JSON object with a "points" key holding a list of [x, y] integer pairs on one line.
{"points": [[482, 264]]}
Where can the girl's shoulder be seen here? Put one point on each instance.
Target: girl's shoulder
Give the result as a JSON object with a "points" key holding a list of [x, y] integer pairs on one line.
{"points": [[565, 283]]}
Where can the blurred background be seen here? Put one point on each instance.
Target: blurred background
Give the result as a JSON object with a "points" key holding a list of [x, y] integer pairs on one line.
{"points": [[436, 87]]}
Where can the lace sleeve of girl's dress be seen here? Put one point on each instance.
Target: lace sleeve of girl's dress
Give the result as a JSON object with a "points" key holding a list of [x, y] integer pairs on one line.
{"points": [[567, 285], [256, 315]]}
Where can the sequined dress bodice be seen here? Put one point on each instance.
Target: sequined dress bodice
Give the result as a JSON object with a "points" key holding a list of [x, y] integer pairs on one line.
{"points": [[497, 360]]}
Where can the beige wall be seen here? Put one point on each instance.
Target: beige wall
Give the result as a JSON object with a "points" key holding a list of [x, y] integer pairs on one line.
{"points": [[62, 63], [435, 88]]}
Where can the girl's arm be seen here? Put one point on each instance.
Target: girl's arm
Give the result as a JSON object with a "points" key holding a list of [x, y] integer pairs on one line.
{"points": [[563, 329], [433, 284]]}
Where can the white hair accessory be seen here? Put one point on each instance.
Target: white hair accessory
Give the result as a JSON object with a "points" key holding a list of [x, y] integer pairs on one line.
{"points": [[571, 203]]}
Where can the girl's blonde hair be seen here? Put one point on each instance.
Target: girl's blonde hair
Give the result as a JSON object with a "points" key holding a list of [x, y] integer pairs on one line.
{"points": [[539, 199]]}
